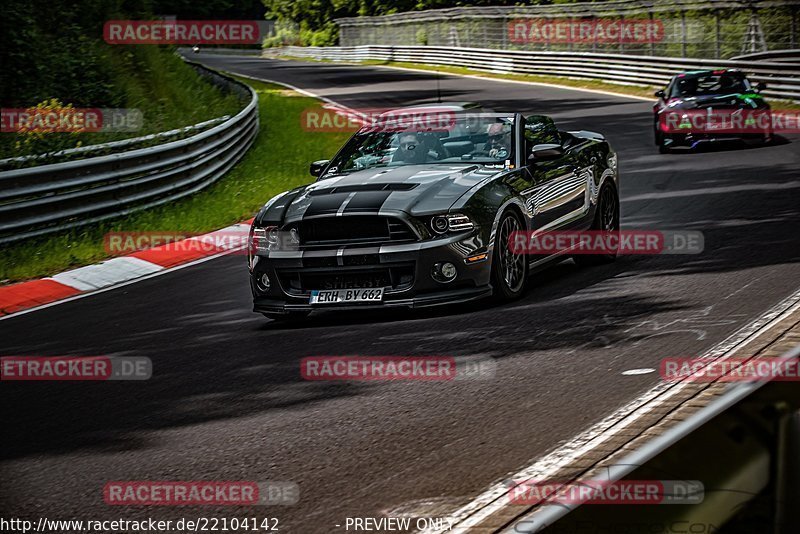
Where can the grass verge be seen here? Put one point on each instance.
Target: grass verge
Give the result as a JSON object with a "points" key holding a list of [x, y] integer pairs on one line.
{"points": [[278, 160], [168, 92]]}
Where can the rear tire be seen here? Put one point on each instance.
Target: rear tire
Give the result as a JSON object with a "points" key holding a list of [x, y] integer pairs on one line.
{"points": [[606, 219], [509, 270]]}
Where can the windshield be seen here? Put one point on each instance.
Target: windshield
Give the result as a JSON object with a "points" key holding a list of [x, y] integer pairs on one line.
{"points": [[710, 84], [480, 138]]}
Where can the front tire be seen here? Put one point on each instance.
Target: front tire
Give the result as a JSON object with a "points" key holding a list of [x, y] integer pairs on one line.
{"points": [[509, 270], [606, 220]]}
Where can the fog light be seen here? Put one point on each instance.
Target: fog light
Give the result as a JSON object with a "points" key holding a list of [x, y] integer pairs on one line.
{"points": [[444, 272], [263, 282]]}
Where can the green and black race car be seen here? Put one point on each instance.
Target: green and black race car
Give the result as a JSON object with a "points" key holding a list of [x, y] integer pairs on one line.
{"points": [[420, 212], [711, 105]]}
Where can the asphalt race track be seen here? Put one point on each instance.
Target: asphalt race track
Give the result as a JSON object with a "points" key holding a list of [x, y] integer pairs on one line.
{"points": [[226, 400]]}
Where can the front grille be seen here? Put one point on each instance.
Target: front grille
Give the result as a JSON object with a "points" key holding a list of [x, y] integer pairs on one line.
{"points": [[332, 261], [353, 230], [395, 277]]}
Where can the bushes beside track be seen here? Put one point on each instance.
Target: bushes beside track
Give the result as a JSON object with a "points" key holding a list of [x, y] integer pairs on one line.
{"points": [[278, 160]]}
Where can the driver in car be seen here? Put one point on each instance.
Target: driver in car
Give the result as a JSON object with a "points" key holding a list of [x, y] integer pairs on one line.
{"points": [[496, 145], [410, 150]]}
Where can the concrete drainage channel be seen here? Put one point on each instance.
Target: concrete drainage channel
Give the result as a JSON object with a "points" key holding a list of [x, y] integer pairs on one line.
{"points": [[745, 455], [739, 440]]}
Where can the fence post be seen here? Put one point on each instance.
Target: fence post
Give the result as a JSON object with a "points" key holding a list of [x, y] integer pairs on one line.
{"points": [[504, 22], [683, 33]]}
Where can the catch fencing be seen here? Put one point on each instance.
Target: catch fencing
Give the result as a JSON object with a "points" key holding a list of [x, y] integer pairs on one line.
{"points": [[689, 28]]}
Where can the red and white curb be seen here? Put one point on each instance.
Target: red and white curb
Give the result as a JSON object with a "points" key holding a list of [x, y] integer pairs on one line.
{"points": [[25, 296]]}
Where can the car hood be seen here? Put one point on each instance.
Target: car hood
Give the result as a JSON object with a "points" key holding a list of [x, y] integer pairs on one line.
{"points": [[414, 189]]}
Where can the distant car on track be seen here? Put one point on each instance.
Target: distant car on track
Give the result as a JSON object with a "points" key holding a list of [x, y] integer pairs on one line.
{"points": [[707, 106], [419, 213]]}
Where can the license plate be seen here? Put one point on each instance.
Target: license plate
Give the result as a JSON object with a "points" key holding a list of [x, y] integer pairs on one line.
{"points": [[342, 296]]}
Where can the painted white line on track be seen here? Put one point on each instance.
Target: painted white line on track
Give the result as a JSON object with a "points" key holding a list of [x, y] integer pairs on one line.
{"points": [[492, 500], [635, 372]]}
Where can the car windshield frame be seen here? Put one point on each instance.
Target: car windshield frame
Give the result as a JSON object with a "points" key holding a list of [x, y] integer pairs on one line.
{"points": [[742, 84], [448, 137]]}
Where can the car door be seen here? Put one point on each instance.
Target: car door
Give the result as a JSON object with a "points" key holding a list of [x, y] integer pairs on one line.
{"points": [[557, 196]]}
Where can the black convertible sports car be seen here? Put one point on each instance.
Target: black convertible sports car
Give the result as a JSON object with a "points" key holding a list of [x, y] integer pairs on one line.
{"points": [[420, 213], [709, 106]]}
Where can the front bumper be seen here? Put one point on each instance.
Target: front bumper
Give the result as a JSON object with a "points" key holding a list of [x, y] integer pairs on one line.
{"points": [[403, 270], [693, 140]]}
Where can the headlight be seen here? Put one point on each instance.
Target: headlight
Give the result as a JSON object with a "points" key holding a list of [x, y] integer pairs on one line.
{"points": [[264, 239], [451, 223], [258, 241]]}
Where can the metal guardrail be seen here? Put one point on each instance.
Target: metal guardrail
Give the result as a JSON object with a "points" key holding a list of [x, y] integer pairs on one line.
{"points": [[48, 198], [772, 55], [782, 78]]}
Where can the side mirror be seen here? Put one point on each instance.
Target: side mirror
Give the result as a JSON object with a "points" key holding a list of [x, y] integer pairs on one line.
{"points": [[760, 86], [546, 151], [317, 167], [660, 93]]}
